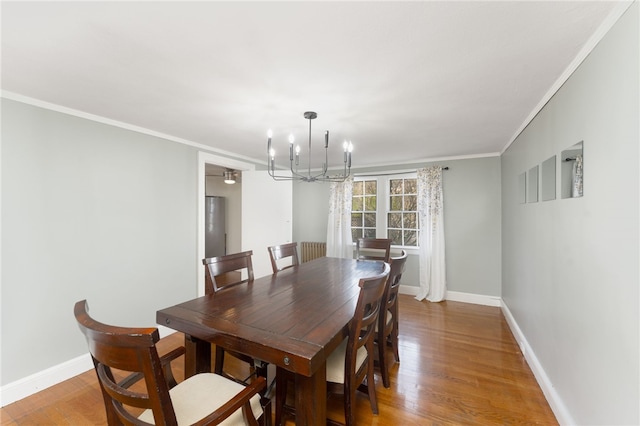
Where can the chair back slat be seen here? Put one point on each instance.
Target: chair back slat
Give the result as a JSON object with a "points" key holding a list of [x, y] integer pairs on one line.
{"points": [[283, 251], [373, 249], [217, 270]]}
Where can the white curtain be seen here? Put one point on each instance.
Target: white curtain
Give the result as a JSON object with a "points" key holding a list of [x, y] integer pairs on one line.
{"points": [[339, 242], [433, 283], [576, 188]]}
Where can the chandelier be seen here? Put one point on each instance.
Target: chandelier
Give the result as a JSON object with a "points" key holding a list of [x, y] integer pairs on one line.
{"points": [[294, 155]]}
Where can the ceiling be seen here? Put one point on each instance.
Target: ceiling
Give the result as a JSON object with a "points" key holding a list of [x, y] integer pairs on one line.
{"points": [[404, 81]]}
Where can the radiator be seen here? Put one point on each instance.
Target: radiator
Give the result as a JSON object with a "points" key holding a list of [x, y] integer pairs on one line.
{"points": [[312, 250]]}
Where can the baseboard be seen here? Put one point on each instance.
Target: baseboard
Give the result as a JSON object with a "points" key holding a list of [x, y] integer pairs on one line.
{"points": [[457, 296], [555, 402], [34, 383], [41, 380], [408, 289], [476, 299]]}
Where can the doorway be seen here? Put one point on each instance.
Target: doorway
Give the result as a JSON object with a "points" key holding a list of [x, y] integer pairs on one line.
{"points": [[213, 163]]}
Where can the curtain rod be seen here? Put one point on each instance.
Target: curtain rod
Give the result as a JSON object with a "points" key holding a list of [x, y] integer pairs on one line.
{"points": [[391, 174]]}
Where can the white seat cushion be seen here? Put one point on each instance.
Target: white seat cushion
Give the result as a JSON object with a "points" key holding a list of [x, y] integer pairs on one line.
{"points": [[202, 394], [335, 362]]}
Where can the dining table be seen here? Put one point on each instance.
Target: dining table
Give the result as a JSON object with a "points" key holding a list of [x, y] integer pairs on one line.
{"points": [[293, 319]]}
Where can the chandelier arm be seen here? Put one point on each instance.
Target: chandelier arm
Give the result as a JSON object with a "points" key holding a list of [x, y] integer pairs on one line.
{"points": [[293, 172], [295, 175]]}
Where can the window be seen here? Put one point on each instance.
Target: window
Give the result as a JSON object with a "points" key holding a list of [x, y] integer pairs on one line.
{"points": [[364, 206], [402, 214], [395, 217]]}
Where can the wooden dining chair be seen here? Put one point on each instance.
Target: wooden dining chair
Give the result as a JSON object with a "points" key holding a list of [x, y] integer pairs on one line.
{"points": [[283, 251], [150, 394], [353, 360], [387, 328], [374, 249], [222, 272]]}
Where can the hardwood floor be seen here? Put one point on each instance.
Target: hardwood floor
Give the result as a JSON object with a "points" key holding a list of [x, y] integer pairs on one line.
{"points": [[460, 365]]}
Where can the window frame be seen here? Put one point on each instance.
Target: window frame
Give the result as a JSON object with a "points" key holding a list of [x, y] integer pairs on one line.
{"points": [[383, 208]]}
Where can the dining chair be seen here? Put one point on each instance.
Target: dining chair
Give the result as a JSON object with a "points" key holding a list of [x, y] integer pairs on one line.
{"points": [[150, 394], [222, 272], [387, 328], [353, 360], [374, 249], [283, 251]]}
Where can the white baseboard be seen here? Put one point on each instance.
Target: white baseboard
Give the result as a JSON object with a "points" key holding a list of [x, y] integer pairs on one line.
{"points": [[476, 299], [457, 296], [41, 380], [408, 289], [555, 402], [34, 383]]}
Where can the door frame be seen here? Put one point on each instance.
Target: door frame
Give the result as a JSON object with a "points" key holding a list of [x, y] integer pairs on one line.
{"points": [[205, 158]]}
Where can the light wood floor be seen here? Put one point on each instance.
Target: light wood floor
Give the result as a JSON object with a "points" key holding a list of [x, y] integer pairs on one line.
{"points": [[460, 365]]}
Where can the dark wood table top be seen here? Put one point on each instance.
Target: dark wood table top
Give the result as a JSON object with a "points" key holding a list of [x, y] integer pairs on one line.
{"points": [[293, 319]]}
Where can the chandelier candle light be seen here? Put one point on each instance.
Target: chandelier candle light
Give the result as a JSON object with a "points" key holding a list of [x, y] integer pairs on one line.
{"points": [[322, 177]]}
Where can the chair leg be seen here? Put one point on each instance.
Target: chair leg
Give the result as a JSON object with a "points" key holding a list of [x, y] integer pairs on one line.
{"points": [[371, 388], [384, 369], [266, 411], [349, 400], [394, 343], [219, 360], [281, 393]]}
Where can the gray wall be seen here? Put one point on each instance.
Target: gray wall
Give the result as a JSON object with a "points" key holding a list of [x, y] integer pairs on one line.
{"points": [[570, 266], [88, 211], [471, 216]]}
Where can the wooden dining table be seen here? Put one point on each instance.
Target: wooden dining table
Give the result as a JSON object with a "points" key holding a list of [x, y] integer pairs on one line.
{"points": [[293, 319]]}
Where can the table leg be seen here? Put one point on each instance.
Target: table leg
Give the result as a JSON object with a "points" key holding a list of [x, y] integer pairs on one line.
{"points": [[311, 398], [197, 356]]}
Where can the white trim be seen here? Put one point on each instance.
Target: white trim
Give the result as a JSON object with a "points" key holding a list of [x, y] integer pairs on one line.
{"points": [[29, 385], [476, 299], [426, 160], [44, 379], [408, 289], [99, 119], [205, 158], [593, 41], [457, 296], [553, 398]]}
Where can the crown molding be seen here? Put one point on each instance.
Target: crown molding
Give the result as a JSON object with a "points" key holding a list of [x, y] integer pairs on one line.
{"points": [[103, 120]]}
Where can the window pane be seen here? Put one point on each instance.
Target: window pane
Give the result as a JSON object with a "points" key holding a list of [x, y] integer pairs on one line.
{"points": [[410, 186], [395, 186], [396, 203], [394, 220], [369, 233], [356, 219], [370, 203], [410, 220], [410, 238], [356, 233], [356, 204], [357, 188], [370, 187], [410, 203], [395, 236], [370, 220]]}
